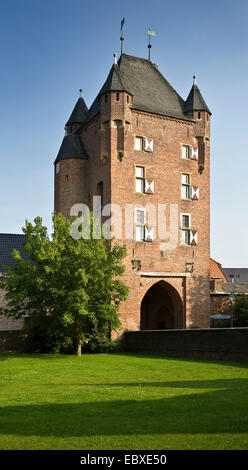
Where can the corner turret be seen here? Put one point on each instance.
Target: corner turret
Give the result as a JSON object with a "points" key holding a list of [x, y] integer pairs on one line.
{"points": [[78, 116]]}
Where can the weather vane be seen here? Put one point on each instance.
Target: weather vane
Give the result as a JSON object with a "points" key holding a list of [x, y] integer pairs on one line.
{"points": [[150, 33], [122, 37]]}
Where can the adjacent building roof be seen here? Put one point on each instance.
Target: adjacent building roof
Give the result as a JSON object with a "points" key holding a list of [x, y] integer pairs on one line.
{"points": [[9, 242], [230, 288], [195, 101], [72, 147], [237, 275], [151, 91], [216, 271], [79, 113]]}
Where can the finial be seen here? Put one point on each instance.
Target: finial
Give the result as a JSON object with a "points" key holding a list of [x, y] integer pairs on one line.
{"points": [[150, 33], [194, 79], [115, 58], [80, 91], [122, 37]]}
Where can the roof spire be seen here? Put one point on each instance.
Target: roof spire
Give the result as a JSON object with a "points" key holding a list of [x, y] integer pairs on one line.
{"points": [[115, 58], [122, 37], [150, 33], [79, 112], [195, 101]]}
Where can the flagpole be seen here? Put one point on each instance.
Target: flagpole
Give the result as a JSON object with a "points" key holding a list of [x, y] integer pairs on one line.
{"points": [[122, 37], [150, 33], [149, 48]]}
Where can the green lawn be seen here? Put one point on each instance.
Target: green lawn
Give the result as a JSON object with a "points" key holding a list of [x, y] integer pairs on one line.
{"points": [[122, 401]]}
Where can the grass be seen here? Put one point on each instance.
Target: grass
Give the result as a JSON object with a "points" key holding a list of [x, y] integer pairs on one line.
{"points": [[122, 401]]}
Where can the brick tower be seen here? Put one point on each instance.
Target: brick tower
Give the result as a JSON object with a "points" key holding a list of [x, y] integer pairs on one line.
{"points": [[140, 145]]}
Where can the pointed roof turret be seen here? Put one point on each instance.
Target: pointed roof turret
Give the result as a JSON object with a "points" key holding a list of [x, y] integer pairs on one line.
{"points": [[72, 147], [79, 112], [195, 101], [115, 80]]}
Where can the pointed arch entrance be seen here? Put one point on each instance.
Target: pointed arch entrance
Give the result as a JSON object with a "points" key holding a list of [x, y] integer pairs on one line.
{"points": [[161, 308]]}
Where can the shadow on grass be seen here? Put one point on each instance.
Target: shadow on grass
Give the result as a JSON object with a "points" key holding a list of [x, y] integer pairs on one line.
{"points": [[242, 364], [9, 355], [223, 384], [223, 410]]}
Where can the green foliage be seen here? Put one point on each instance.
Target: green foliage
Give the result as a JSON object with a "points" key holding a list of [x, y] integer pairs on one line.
{"points": [[70, 289], [240, 310]]}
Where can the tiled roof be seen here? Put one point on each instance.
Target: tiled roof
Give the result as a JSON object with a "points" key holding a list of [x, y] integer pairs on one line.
{"points": [[9, 242], [216, 270]]}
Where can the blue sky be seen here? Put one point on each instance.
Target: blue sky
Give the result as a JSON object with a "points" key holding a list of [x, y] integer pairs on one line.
{"points": [[50, 49]]}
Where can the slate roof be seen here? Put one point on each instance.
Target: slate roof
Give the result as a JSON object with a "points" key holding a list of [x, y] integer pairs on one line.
{"points": [[79, 112], [115, 81], [9, 242], [151, 91], [195, 101], [237, 275], [72, 147]]}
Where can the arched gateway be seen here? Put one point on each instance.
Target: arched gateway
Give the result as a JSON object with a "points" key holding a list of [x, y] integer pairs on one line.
{"points": [[161, 308]]}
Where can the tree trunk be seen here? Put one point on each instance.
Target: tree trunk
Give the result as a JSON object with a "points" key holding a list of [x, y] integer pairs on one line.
{"points": [[79, 349]]}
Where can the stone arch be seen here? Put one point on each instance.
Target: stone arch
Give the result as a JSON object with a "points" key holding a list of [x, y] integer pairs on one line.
{"points": [[161, 307]]}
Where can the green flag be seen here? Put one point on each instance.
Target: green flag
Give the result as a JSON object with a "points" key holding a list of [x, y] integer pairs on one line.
{"points": [[122, 22], [151, 33]]}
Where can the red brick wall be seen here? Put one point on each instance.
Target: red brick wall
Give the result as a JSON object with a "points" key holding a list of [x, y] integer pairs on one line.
{"points": [[220, 304], [112, 132]]}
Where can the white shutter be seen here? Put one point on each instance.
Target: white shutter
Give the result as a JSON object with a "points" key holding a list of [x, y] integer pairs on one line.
{"points": [[194, 192], [193, 238], [149, 186], [149, 145], [148, 234], [194, 154]]}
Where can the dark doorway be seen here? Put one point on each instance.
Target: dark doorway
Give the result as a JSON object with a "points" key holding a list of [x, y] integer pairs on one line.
{"points": [[161, 308]]}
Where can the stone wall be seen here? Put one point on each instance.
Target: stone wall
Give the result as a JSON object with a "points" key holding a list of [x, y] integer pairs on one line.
{"points": [[221, 343]]}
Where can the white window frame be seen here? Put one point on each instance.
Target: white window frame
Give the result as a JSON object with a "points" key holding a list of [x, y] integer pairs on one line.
{"points": [[189, 147], [139, 224], [142, 143], [185, 185], [140, 178], [185, 229]]}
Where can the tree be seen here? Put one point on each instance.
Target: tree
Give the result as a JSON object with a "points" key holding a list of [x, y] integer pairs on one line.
{"points": [[240, 310], [75, 284]]}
